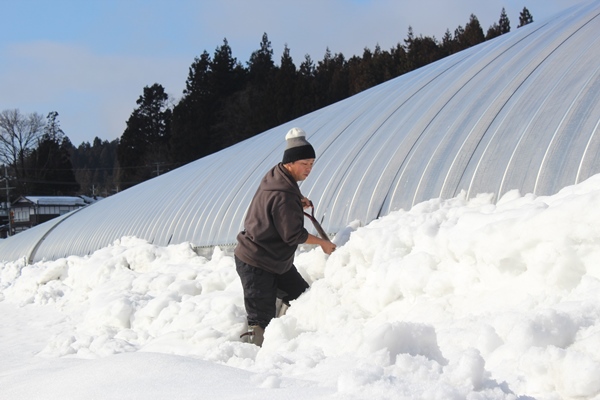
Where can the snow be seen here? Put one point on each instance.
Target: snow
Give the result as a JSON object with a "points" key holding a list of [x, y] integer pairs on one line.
{"points": [[454, 299], [56, 200]]}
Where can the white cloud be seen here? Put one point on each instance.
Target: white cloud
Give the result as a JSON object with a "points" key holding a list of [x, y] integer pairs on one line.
{"points": [[93, 94]]}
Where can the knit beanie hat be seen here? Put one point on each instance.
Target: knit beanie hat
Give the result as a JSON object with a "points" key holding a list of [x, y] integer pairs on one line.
{"points": [[297, 147]]}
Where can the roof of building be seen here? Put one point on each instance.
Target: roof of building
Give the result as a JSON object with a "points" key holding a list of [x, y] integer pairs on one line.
{"points": [[53, 200]]}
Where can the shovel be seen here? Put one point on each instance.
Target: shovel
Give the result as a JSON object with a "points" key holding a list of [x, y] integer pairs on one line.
{"points": [[316, 223]]}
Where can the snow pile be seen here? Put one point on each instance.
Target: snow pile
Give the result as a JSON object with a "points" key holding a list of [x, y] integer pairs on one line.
{"points": [[452, 299]]}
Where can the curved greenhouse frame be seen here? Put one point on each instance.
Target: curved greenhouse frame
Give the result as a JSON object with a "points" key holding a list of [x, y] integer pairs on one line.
{"points": [[521, 111]]}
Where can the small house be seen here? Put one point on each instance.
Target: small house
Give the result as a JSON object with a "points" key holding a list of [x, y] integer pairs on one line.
{"points": [[28, 211]]}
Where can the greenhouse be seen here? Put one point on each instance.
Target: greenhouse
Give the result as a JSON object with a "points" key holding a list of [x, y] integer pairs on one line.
{"points": [[519, 112]]}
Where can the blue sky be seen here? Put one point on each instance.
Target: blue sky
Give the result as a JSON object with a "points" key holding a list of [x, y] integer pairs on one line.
{"points": [[89, 60]]}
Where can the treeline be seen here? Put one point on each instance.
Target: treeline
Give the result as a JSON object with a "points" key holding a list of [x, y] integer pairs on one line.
{"points": [[223, 102]]}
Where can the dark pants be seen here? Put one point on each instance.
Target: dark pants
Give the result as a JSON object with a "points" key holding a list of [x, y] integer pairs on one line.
{"points": [[261, 289]]}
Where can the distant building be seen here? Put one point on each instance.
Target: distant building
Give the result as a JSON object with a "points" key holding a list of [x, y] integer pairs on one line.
{"points": [[29, 211]]}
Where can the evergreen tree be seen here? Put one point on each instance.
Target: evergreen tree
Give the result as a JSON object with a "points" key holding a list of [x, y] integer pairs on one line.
{"points": [[284, 88], [104, 177], [421, 50], [261, 70], [227, 75], [504, 22], [226, 78], [144, 144], [372, 69], [52, 127], [331, 79], [493, 31], [472, 35], [382, 66], [359, 72], [458, 33], [192, 116], [409, 44], [525, 17], [449, 45], [261, 65], [399, 60], [500, 28], [304, 99], [95, 165], [50, 169]]}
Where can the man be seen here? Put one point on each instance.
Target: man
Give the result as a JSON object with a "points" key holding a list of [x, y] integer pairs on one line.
{"points": [[273, 229]]}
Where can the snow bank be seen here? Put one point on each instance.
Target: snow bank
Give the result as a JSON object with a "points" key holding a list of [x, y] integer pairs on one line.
{"points": [[452, 299]]}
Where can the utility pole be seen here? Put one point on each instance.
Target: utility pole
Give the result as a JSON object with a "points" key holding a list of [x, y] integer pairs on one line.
{"points": [[8, 207], [157, 165]]}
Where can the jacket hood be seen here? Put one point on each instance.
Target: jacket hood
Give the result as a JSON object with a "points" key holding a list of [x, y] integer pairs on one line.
{"points": [[279, 179]]}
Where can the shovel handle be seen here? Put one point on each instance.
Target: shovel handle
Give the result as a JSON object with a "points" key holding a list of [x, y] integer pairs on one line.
{"points": [[316, 223]]}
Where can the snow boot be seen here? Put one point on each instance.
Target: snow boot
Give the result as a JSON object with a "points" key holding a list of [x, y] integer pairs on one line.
{"points": [[282, 310], [280, 307], [255, 335]]}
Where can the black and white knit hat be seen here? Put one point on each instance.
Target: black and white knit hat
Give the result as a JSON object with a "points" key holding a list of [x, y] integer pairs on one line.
{"points": [[297, 147]]}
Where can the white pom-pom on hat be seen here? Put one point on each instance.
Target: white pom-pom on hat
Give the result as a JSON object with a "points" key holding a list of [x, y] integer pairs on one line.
{"points": [[295, 133]]}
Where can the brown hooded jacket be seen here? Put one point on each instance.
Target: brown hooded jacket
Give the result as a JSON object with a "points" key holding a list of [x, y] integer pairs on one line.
{"points": [[274, 224]]}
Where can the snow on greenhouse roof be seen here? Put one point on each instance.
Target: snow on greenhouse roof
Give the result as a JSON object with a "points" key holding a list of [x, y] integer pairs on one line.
{"points": [[56, 200], [518, 112]]}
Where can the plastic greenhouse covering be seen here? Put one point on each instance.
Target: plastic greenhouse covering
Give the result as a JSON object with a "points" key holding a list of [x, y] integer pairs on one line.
{"points": [[521, 111]]}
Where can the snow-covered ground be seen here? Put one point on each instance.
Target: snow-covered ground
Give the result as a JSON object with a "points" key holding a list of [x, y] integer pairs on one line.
{"points": [[453, 299]]}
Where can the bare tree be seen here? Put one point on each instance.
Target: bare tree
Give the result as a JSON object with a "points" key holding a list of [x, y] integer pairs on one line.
{"points": [[18, 136]]}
